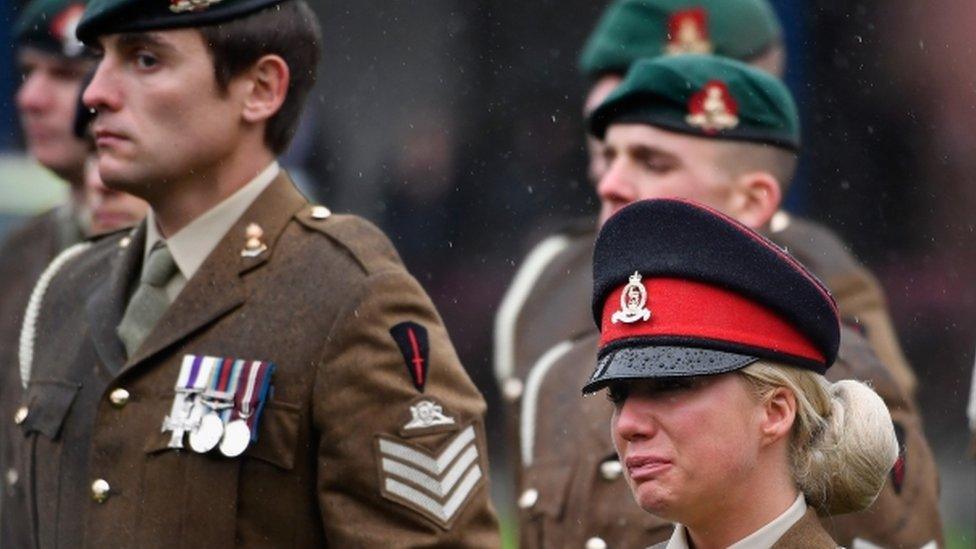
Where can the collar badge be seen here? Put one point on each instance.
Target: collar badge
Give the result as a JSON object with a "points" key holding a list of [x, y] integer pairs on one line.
{"points": [[633, 301], [713, 108], [688, 32], [183, 6], [253, 246]]}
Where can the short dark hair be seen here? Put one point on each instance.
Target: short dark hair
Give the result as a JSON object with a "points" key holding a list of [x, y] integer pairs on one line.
{"points": [[289, 30]]}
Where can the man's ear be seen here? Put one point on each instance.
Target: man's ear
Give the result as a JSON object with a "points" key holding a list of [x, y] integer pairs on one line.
{"points": [[267, 88], [779, 414], [756, 197]]}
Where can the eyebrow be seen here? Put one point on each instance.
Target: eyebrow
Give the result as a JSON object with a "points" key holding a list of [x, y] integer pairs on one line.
{"points": [[136, 39], [640, 150]]}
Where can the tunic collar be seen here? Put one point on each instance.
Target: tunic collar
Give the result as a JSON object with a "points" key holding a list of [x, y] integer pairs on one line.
{"points": [[192, 244], [762, 538]]}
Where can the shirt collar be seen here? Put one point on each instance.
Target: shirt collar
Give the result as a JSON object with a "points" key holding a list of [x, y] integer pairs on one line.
{"points": [[763, 538], [192, 244]]}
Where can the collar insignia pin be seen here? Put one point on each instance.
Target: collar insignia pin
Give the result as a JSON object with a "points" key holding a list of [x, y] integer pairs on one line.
{"points": [[633, 301], [253, 246]]}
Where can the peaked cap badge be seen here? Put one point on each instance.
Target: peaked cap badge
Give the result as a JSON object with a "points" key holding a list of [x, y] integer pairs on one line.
{"points": [[633, 301], [183, 6], [63, 28], [713, 108], [688, 32]]}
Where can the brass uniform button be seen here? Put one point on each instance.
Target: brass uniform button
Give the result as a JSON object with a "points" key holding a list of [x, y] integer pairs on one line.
{"points": [[124, 243], [119, 397], [21, 415], [611, 470], [528, 498], [595, 543], [100, 490], [320, 212], [512, 389]]}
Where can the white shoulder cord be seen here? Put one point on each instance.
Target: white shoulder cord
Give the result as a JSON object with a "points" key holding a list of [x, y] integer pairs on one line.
{"points": [[29, 327]]}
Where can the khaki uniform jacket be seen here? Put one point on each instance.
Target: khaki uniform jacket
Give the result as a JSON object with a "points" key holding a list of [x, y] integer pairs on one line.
{"points": [[23, 255], [570, 469], [319, 303], [807, 533]]}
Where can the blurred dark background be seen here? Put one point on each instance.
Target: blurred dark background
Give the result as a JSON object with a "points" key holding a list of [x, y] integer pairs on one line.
{"points": [[456, 126]]}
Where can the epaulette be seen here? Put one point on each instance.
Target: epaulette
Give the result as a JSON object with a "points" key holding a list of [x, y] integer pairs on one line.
{"points": [[364, 242]]}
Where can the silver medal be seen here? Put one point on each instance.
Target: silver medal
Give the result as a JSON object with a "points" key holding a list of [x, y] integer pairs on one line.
{"points": [[207, 436], [237, 437]]}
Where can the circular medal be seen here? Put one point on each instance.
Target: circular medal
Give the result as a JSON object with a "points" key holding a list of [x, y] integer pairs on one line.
{"points": [[208, 434], [237, 436]]}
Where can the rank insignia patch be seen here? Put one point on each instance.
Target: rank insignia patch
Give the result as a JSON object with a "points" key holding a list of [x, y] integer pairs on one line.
{"points": [[438, 485], [688, 32], [412, 340], [713, 108], [898, 471]]}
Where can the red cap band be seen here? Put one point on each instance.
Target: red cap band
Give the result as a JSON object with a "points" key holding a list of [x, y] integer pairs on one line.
{"points": [[689, 309]]}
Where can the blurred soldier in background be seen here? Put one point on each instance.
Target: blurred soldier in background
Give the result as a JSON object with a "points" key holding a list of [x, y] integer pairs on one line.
{"points": [[53, 64], [544, 319]]}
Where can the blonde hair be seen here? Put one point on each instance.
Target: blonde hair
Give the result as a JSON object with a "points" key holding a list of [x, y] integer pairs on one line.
{"points": [[843, 441]]}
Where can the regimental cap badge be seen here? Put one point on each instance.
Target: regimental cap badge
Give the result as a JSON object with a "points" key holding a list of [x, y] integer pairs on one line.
{"points": [[688, 32], [713, 108], [63, 27], [183, 6], [633, 302]]}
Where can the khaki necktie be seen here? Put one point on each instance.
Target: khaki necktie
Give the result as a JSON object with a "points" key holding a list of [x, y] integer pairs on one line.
{"points": [[149, 301]]}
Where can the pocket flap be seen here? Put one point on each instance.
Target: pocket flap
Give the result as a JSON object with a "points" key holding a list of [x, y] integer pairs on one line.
{"points": [[551, 481], [48, 402]]}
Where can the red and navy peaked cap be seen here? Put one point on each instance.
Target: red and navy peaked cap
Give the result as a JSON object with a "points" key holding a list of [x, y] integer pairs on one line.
{"points": [[680, 289]]}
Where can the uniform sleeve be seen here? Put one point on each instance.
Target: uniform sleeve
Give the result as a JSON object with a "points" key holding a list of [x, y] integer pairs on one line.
{"points": [[402, 458], [906, 512]]}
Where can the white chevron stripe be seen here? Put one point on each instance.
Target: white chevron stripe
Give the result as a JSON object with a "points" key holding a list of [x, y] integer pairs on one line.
{"points": [[425, 462], [438, 488], [445, 512]]}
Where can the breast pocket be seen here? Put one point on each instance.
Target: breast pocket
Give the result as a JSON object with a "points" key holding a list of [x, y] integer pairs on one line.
{"points": [[204, 497], [46, 406], [542, 505]]}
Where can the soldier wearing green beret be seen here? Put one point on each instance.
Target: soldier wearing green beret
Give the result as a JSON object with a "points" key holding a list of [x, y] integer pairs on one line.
{"points": [[243, 368], [52, 63], [725, 134]]}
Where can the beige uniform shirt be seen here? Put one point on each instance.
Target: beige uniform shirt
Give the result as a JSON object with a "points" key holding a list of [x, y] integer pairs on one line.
{"points": [[760, 539], [192, 244]]}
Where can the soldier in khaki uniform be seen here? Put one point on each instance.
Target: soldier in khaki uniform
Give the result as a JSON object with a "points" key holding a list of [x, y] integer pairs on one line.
{"points": [[242, 369], [713, 347], [729, 150], [53, 64]]}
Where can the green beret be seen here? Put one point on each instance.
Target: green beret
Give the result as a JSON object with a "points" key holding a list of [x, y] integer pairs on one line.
{"points": [[49, 25], [706, 96], [115, 16], [635, 29]]}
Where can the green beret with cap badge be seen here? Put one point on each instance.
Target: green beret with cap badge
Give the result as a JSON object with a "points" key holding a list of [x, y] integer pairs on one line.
{"points": [[49, 25], [634, 29], [116, 16], [706, 96]]}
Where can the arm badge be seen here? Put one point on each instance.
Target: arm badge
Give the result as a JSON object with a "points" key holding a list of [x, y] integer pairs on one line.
{"points": [[411, 338]]}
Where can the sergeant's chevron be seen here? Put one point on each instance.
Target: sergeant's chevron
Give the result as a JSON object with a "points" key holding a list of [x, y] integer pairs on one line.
{"points": [[437, 485]]}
